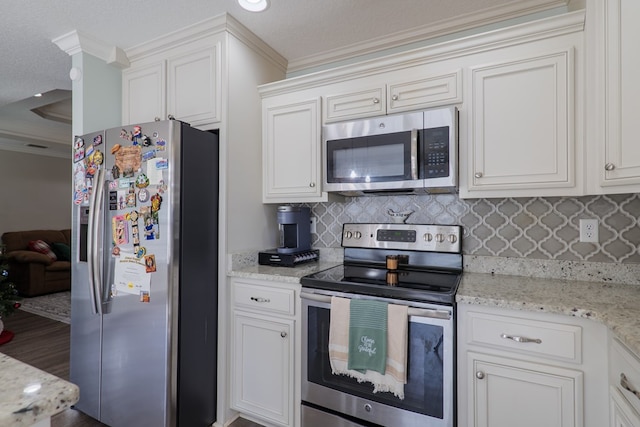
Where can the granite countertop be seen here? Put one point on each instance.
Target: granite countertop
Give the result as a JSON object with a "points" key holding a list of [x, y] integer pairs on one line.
{"points": [[615, 305], [29, 395], [281, 274]]}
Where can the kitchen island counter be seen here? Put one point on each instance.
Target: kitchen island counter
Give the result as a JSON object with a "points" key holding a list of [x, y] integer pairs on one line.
{"points": [[30, 396], [615, 305]]}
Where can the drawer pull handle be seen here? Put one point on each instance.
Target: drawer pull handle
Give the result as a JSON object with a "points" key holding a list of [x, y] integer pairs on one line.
{"points": [[521, 339], [260, 299], [624, 382], [283, 334]]}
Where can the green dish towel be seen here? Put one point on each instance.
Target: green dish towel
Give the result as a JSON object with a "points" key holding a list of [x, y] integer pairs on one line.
{"points": [[367, 336]]}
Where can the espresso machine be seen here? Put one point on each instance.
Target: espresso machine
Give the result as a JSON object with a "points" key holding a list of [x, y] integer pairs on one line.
{"points": [[294, 227]]}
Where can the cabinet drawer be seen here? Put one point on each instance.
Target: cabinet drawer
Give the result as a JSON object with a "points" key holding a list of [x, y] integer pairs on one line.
{"points": [[365, 103], [623, 362], [264, 298], [532, 337], [425, 93]]}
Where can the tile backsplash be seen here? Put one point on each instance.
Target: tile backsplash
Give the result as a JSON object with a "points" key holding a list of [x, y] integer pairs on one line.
{"points": [[536, 228]]}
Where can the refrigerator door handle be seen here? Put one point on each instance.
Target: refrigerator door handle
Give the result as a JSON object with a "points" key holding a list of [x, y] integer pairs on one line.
{"points": [[93, 240]]}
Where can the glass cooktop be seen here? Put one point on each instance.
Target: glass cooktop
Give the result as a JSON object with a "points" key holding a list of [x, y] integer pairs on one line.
{"points": [[404, 283]]}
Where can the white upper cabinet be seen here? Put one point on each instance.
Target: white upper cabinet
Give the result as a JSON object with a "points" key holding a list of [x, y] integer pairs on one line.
{"points": [[182, 81], [291, 151], [417, 89], [613, 94], [522, 116]]}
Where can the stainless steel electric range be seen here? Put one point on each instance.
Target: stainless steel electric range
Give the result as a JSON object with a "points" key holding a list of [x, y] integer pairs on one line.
{"points": [[416, 265]]}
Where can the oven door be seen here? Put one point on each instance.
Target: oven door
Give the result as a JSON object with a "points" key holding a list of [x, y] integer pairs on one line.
{"points": [[429, 393]]}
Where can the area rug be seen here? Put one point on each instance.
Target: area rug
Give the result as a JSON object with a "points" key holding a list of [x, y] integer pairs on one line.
{"points": [[55, 306]]}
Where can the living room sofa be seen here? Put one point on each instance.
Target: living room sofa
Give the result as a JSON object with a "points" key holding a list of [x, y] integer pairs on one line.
{"points": [[34, 273]]}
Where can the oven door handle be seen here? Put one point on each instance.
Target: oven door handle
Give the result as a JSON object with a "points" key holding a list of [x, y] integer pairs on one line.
{"points": [[412, 311]]}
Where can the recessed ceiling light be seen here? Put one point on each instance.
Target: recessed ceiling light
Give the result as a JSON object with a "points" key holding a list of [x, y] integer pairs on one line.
{"points": [[38, 95], [254, 5]]}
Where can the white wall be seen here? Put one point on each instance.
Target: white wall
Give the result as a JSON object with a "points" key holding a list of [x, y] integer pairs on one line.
{"points": [[35, 192]]}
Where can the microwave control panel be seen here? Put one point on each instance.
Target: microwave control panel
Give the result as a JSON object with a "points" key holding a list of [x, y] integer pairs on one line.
{"points": [[436, 152]]}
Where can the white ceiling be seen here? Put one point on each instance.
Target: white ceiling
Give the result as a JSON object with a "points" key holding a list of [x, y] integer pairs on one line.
{"points": [[300, 30]]}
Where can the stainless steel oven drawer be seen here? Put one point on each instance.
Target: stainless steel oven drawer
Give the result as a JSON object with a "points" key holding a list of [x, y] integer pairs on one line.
{"points": [[312, 417]]}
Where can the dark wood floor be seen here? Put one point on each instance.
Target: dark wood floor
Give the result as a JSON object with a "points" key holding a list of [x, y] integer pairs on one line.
{"points": [[44, 343]]}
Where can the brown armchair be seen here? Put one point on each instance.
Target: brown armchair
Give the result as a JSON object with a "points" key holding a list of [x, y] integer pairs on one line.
{"points": [[34, 273]]}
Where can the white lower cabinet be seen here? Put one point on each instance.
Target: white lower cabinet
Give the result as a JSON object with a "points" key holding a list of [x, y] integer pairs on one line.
{"points": [[622, 414], [263, 356], [526, 369], [510, 392], [624, 382]]}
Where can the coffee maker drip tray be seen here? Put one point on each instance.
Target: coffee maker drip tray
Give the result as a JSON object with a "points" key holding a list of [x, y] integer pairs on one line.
{"points": [[274, 258]]}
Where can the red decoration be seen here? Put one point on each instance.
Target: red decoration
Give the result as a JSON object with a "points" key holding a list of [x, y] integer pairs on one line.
{"points": [[6, 336]]}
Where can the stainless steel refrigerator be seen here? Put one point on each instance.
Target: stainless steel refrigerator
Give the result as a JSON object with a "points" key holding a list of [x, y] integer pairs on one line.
{"points": [[144, 278]]}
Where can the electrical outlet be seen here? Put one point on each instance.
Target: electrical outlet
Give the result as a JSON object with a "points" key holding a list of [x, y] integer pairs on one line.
{"points": [[589, 230], [313, 224]]}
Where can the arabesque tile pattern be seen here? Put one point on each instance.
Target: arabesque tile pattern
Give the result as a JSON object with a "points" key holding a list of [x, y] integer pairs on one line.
{"points": [[539, 228]]}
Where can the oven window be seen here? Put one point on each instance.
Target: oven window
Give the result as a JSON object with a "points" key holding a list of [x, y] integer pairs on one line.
{"points": [[424, 389]]}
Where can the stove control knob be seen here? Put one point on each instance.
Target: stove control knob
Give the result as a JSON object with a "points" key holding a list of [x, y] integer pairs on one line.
{"points": [[428, 237], [439, 238], [452, 238], [357, 234], [348, 235]]}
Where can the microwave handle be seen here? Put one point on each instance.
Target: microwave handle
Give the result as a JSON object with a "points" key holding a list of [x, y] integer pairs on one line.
{"points": [[414, 154]]}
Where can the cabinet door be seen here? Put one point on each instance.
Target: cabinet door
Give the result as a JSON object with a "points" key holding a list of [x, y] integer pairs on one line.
{"points": [[262, 375], [622, 414], [520, 127], [622, 145], [143, 93], [193, 86], [291, 153], [363, 103], [508, 392]]}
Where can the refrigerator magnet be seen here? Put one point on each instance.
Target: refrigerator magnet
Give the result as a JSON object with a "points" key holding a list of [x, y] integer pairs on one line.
{"points": [[144, 296], [146, 141], [143, 195], [148, 155], [115, 251], [115, 148], [137, 133], [115, 172], [119, 230], [97, 140], [142, 181], [97, 157], [126, 135], [150, 263], [156, 201], [131, 200], [89, 151], [78, 149], [161, 145]]}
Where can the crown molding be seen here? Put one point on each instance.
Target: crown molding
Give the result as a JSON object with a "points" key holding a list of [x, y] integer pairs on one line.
{"points": [[510, 36], [445, 27], [207, 28], [74, 42]]}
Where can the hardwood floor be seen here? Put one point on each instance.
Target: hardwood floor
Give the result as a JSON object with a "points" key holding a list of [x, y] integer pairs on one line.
{"points": [[44, 344]]}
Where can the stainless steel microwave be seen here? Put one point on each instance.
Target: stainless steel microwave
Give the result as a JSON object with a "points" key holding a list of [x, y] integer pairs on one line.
{"points": [[406, 153]]}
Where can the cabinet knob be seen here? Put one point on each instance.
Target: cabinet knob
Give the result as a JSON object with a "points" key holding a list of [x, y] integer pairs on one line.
{"points": [[170, 117], [395, 97], [283, 334], [480, 375], [312, 184], [376, 101], [609, 167], [478, 174], [156, 119], [260, 299]]}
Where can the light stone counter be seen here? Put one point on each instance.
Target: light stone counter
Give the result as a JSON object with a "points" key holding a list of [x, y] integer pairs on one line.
{"points": [[29, 396], [615, 305], [280, 274]]}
